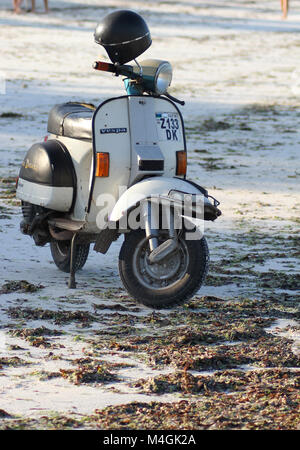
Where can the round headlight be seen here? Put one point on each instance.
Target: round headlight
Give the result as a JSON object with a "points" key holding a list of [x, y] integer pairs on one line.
{"points": [[163, 78], [156, 75]]}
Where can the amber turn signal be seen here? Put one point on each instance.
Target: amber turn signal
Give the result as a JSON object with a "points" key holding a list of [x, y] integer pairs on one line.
{"points": [[102, 165], [181, 163]]}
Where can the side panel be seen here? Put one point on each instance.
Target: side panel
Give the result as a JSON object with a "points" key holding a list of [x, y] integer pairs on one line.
{"points": [[52, 197], [81, 153], [47, 177]]}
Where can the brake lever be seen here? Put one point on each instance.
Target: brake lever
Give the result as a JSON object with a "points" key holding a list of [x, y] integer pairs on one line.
{"points": [[181, 102]]}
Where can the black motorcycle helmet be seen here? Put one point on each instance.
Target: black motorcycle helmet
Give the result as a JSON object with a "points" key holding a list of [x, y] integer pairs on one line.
{"points": [[124, 34]]}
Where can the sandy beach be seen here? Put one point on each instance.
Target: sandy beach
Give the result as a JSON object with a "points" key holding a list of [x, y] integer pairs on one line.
{"points": [[236, 66]]}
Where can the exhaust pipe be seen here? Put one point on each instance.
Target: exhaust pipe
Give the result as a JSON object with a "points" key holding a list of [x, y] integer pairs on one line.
{"points": [[65, 235]]}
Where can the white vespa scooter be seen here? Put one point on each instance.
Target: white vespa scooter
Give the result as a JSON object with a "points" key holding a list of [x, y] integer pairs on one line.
{"points": [[117, 169]]}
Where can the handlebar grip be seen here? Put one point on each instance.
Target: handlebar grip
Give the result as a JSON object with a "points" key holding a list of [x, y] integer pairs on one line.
{"points": [[104, 66]]}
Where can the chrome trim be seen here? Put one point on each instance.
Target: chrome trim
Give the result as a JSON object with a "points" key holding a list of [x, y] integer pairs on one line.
{"points": [[125, 42]]}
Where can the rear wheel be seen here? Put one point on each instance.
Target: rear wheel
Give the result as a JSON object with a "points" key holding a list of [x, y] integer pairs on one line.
{"points": [[172, 281], [61, 254]]}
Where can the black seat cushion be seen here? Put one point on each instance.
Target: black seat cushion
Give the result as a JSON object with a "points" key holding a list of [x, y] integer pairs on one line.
{"points": [[72, 120]]}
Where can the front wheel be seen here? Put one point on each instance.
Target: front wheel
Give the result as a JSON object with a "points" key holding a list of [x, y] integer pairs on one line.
{"points": [[170, 282], [61, 254]]}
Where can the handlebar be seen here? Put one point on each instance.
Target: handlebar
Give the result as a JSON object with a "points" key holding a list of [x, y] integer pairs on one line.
{"points": [[106, 67], [128, 72], [124, 69]]}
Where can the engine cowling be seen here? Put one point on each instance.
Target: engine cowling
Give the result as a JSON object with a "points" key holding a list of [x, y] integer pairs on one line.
{"points": [[47, 177]]}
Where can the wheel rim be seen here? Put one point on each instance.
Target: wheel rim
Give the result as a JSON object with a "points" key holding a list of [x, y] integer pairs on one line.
{"points": [[161, 275]]}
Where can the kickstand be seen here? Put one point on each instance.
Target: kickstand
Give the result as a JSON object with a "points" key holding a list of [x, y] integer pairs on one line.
{"points": [[72, 282]]}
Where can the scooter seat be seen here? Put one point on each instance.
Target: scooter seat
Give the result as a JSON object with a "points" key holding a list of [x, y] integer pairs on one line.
{"points": [[72, 120]]}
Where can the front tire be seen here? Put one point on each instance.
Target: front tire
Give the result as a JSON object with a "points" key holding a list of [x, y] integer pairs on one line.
{"points": [[61, 254], [168, 283]]}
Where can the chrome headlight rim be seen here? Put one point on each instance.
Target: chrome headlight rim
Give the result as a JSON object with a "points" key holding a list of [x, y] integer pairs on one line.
{"points": [[163, 78]]}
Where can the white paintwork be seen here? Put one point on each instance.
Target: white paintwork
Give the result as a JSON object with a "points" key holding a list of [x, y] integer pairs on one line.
{"points": [[169, 148], [112, 114], [117, 113], [155, 186], [58, 198], [82, 155], [144, 135]]}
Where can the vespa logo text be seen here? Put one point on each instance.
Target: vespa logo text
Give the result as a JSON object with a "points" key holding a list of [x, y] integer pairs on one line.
{"points": [[113, 130]]}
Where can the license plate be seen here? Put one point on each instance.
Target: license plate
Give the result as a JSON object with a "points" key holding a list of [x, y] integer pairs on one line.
{"points": [[168, 126]]}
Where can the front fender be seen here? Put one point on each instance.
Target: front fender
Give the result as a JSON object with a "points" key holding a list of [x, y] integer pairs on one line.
{"points": [[155, 187]]}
